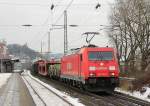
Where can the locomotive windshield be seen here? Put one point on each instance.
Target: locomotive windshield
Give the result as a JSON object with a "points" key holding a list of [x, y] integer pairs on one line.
{"points": [[100, 55]]}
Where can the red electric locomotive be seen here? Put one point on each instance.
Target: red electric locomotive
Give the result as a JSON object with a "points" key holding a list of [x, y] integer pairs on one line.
{"points": [[93, 68]]}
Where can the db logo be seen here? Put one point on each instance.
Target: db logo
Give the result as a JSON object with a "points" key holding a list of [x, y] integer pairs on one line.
{"points": [[101, 64]]}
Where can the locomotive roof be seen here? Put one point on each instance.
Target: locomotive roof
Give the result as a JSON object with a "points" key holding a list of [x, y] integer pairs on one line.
{"points": [[97, 49], [89, 47]]}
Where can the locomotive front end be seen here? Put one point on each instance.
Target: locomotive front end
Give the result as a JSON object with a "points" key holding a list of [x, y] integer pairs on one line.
{"points": [[103, 70]]}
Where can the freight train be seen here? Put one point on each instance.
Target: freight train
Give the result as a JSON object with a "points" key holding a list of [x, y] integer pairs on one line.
{"points": [[91, 68]]}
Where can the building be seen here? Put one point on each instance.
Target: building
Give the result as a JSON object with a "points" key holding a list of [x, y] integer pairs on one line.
{"points": [[6, 64]]}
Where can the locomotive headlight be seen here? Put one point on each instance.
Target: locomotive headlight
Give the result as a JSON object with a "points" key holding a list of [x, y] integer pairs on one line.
{"points": [[92, 74], [112, 74], [92, 68], [112, 68]]}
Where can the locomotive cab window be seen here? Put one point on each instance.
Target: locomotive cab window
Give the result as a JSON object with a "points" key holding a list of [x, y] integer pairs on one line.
{"points": [[100, 55]]}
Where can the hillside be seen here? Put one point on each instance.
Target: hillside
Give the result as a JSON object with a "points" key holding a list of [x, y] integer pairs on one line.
{"points": [[22, 51]]}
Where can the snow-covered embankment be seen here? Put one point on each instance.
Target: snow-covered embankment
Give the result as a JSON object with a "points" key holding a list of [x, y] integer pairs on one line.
{"points": [[41, 92], [3, 78]]}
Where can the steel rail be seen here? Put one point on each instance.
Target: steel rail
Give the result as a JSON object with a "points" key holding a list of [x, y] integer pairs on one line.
{"points": [[101, 100], [52, 91], [34, 90], [113, 99], [130, 98]]}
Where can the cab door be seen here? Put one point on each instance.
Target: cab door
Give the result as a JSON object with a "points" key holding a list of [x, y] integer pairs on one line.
{"points": [[80, 58]]}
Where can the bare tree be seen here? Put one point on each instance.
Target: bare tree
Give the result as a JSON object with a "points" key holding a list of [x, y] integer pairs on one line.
{"points": [[130, 31]]}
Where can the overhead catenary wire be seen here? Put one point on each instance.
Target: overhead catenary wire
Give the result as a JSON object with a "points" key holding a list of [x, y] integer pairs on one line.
{"points": [[65, 25], [39, 39], [63, 11], [58, 19], [62, 14], [43, 5], [19, 25], [45, 22], [23, 4], [46, 31], [54, 5], [87, 19], [54, 10]]}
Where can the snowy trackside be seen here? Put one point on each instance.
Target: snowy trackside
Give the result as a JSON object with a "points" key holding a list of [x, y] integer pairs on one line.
{"points": [[3, 78], [137, 94], [71, 100]]}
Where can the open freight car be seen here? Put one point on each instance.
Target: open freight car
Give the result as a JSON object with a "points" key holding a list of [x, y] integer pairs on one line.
{"points": [[54, 69], [43, 66], [35, 67]]}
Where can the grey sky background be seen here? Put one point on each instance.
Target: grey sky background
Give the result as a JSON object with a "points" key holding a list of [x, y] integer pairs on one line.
{"points": [[15, 13]]}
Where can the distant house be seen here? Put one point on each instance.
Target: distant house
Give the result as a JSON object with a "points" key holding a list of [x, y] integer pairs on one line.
{"points": [[6, 64], [4, 51]]}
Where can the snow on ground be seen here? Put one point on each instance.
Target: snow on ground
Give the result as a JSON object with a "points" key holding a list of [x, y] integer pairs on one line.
{"points": [[137, 94], [3, 78], [36, 99], [73, 101]]}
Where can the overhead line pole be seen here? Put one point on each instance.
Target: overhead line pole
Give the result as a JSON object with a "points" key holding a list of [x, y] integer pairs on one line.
{"points": [[49, 42], [65, 33], [65, 25], [1, 64], [63, 12], [41, 47]]}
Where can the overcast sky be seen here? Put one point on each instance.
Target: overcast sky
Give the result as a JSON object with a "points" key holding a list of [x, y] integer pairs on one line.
{"points": [[15, 13]]}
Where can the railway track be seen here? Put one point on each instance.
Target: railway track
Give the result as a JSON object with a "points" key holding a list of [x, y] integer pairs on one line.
{"points": [[100, 99], [120, 99], [41, 101], [115, 99], [44, 100], [130, 98]]}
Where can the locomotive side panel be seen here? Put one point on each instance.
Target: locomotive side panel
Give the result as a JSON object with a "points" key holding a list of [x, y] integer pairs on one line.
{"points": [[84, 65], [70, 67]]}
